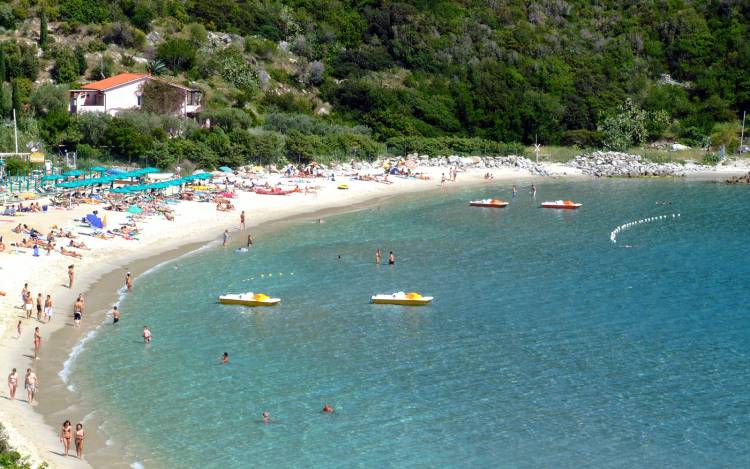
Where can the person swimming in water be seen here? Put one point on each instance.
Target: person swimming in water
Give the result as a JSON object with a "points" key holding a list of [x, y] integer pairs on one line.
{"points": [[146, 335], [266, 417], [391, 258], [327, 409], [225, 358]]}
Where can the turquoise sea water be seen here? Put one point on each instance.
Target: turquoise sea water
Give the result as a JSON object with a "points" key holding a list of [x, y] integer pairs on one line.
{"points": [[546, 346]]}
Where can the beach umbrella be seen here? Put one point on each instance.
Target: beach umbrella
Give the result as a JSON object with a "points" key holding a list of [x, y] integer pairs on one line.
{"points": [[99, 169], [94, 220], [74, 172], [150, 170], [226, 169], [52, 177], [134, 209]]}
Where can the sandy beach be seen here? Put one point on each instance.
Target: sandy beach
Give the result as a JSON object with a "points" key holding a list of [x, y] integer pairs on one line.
{"points": [[101, 271]]}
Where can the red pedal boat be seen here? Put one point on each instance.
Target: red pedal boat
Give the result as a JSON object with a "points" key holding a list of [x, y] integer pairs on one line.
{"points": [[491, 203], [564, 204]]}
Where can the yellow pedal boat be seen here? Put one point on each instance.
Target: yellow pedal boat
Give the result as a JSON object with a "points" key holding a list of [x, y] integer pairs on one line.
{"points": [[249, 299], [401, 298]]}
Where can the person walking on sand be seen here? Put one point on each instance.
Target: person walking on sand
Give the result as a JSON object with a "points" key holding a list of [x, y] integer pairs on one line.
{"points": [[378, 256], [146, 335], [31, 383], [226, 237], [79, 436], [442, 180], [129, 282], [37, 342], [12, 384], [242, 220], [115, 316], [48, 309], [66, 434], [24, 293], [18, 329], [71, 275], [391, 258], [28, 305], [39, 307]]}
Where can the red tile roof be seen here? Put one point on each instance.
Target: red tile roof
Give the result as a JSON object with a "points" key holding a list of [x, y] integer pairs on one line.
{"points": [[115, 81]]}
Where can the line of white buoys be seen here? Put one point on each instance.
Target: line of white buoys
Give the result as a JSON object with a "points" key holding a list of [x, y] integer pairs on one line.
{"points": [[625, 226]]}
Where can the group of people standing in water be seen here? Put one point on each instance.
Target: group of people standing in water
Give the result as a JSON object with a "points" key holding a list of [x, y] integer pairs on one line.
{"points": [[379, 257]]}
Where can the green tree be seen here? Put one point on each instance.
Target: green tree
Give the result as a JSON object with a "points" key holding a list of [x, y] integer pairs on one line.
{"points": [[65, 69], [178, 54], [3, 75], [7, 18], [49, 98], [626, 128], [161, 98], [16, 96], [42, 29], [81, 62]]}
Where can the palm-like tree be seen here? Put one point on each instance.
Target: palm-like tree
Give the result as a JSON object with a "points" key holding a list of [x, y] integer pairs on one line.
{"points": [[156, 67]]}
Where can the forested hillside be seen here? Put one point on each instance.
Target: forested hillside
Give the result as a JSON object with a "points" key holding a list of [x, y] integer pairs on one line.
{"points": [[342, 78]]}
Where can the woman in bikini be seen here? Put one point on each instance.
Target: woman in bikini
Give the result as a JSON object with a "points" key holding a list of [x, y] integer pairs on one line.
{"points": [[12, 384], [66, 434], [79, 440]]}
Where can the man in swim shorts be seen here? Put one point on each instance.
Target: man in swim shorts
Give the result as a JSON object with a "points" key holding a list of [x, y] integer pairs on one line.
{"points": [[115, 316]]}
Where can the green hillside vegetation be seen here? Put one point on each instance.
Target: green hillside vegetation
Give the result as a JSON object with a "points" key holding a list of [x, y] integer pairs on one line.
{"points": [[336, 79]]}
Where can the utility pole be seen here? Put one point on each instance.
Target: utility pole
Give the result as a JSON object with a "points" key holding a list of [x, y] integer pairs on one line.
{"points": [[742, 135], [15, 129]]}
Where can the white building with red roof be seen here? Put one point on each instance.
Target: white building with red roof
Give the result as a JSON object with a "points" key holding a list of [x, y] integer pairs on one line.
{"points": [[125, 92]]}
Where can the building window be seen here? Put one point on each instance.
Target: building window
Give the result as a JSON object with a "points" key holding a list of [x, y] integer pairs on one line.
{"points": [[140, 100]]}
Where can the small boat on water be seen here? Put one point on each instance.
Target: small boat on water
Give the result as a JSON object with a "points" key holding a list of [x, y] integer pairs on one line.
{"points": [[490, 203], [275, 191], [249, 299], [401, 298], [564, 204]]}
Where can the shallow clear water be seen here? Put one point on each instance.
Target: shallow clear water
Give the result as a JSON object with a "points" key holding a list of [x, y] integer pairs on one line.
{"points": [[546, 346]]}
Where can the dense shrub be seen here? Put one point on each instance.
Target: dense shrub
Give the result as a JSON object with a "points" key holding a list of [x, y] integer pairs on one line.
{"points": [[177, 54]]}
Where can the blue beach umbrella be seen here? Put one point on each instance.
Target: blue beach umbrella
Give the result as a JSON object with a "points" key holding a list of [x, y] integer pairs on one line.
{"points": [[226, 169], [99, 169], [134, 209], [74, 172], [52, 177]]}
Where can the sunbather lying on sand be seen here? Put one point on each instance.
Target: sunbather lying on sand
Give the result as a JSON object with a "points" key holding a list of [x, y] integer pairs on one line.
{"points": [[80, 245], [66, 252]]}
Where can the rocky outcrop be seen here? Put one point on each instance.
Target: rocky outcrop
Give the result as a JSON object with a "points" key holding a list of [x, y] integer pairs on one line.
{"points": [[739, 179], [481, 162], [614, 164]]}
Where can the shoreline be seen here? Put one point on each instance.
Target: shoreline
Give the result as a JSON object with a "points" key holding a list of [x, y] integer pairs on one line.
{"points": [[32, 431]]}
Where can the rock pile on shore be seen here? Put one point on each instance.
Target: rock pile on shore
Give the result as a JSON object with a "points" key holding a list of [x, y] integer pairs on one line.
{"points": [[745, 179], [481, 162], [614, 164]]}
